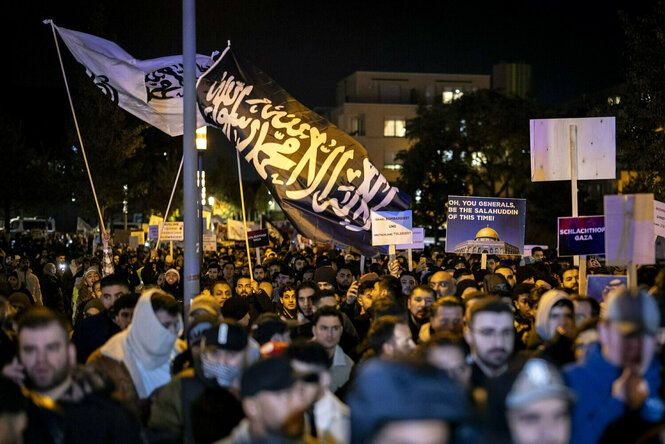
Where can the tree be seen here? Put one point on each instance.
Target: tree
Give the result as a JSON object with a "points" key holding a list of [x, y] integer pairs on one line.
{"points": [[478, 144], [641, 111]]}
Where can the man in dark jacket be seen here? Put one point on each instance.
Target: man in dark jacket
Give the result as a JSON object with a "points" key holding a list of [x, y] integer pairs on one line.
{"points": [[51, 289]]}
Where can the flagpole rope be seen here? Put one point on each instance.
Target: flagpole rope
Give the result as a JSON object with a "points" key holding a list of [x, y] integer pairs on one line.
{"points": [[78, 132], [168, 207], [244, 220]]}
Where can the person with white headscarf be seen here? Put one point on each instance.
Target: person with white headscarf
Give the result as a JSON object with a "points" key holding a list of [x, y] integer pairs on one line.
{"points": [[138, 359]]}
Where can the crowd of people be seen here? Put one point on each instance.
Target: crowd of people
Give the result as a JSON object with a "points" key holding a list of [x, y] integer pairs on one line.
{"points": [[96, 346]]}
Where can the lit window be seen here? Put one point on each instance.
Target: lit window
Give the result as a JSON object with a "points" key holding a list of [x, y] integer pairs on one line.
{"points": [[394, 128], [419, 195], [449, 96], [392, 166], [614, 100], [357, 126]]}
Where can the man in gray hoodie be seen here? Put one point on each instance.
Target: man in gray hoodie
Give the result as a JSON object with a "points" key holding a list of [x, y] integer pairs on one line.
{"points": [[553, 328]]}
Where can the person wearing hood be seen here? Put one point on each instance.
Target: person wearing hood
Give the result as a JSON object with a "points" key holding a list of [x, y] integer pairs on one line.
{"points": [[171, 283], [217, 368], [554, 326], [85, 288], [138, 359]]}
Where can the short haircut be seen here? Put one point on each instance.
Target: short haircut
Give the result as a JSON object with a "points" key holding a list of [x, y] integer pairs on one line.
{"points": [[443, 339], [447, 301], [38, 316], [595, 306], [382, 331], [323, 294], [489, 305], [391, 285], [212, 265], [307, 284], [386, 307], [114, 279], [426, 288], [462, 272], [309, 352], [327, 311], [161, 300], [124, 301]]}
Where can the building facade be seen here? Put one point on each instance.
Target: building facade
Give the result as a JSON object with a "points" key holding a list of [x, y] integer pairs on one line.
{"points": [[373, 107]]}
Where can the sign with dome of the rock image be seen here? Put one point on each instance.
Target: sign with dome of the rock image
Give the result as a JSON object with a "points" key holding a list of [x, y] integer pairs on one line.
{"points": [[490, 225]]}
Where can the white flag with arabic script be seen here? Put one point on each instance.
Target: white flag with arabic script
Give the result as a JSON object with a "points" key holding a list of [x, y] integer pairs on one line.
{"points": [[149, 89]]}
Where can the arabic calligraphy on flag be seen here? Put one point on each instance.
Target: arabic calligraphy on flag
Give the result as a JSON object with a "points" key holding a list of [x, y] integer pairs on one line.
{"points": [[321, 177]]}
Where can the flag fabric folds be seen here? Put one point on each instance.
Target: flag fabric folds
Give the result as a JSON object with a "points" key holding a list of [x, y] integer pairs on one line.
{"points": [[149, 89], [320, 176]]}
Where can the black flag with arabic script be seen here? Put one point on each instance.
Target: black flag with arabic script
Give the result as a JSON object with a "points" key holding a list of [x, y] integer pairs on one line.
{"points": [[320, 176]]}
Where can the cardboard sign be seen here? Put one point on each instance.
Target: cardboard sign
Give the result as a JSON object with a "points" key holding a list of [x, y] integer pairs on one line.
{"points": [[173, 231], [258, 238], [600, 285], [155, 220], [489, 225], [583, 235], [418, 241], [391, 227], [629, 229], [592, 141], [209, 242]]}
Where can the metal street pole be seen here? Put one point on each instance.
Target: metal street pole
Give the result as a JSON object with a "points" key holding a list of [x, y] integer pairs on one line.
{"points": [[190, 192]]}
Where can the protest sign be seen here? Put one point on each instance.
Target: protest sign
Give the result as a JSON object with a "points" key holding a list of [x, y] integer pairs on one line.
{"points": [[562, 147], [629, 229], [173, 231], [235, 230], [600, 285], [153, 232], [258, 238], [418, 240], [209, 242], [391, 227], [583, 235], [489, 225], [659, 218]]}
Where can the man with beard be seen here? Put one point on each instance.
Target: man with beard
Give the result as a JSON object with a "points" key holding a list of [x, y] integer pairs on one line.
{"points": [[490, 334], [305, 299], [258, 301], [446, 315], [443, 283], [344, 278], [570, 280], [75, 411], [419, 304], [408, 282], [390, 338], [171, 283]]}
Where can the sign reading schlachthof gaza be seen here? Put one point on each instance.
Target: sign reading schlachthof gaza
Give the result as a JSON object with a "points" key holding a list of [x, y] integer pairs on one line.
{"points": [[319, 175]]}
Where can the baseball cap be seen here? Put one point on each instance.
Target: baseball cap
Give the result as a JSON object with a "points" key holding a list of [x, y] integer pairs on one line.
{"points": [[272, 374], [266, 325], [537, 380], [228, 335], [632, 313]]}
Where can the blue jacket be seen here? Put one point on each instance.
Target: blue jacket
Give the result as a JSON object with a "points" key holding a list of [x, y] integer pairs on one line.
{"points": [[595, 408]]}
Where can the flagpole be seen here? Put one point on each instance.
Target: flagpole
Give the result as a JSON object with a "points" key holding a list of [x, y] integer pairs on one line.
{"points": [[78, 131], [190, 196], [168, 207], [244, 219]]}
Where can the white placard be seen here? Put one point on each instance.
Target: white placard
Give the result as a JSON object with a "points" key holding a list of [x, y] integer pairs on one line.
{"points": [[209, 242], [659, 218], [173, 231], [391, 227], [418, 241], [629, 231], [235, 230], [551, 148]]}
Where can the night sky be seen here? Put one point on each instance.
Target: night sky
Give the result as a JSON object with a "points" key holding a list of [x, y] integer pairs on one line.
{"points": [[574, 47]]}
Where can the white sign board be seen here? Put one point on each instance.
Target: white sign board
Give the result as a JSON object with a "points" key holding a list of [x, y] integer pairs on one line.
{"points": [[173, 231], [391, 227], [629, 232], [209, 242], [551, 141], [235, 230], [659, 218], [418, 241]]}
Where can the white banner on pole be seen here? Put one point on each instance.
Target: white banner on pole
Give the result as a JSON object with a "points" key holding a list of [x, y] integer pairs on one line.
{"points": [[391, 227], [629, 230]]}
